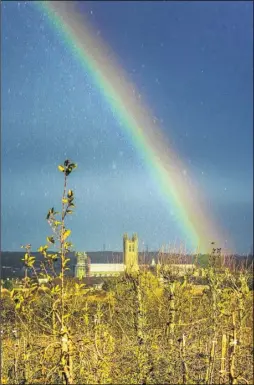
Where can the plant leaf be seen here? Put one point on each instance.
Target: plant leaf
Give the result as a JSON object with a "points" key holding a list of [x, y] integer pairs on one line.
{"points": [[61, 168], [50, 239], [66, 234]]}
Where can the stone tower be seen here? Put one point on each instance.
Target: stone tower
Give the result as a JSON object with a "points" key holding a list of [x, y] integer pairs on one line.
{"points": [[81, 266], [130, 253]]}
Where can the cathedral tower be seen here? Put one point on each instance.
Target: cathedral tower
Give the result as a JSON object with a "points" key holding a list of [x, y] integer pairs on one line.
{"points": [[130, 253], [81, 268]]}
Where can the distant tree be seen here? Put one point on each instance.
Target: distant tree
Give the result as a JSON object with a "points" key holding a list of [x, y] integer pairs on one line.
{"points": [[8, 284]]}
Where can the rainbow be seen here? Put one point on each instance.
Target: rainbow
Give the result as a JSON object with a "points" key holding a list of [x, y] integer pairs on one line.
{"points": [[137, 122]]}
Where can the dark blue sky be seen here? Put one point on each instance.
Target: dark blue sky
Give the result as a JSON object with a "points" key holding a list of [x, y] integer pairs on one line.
{"points": [[192, 62]]}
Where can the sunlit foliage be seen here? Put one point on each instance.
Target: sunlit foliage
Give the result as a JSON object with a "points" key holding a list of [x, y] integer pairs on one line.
{"points": [[149, 327]]}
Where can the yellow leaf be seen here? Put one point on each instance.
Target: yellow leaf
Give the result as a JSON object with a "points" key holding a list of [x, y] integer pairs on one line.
{"points": [[66, 234], [61, 168]]}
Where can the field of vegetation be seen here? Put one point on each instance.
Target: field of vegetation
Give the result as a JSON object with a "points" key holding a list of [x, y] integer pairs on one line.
{"points": [[151, 327]]}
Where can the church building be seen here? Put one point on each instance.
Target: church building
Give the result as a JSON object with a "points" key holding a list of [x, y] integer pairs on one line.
{"points": [[85, 268]]}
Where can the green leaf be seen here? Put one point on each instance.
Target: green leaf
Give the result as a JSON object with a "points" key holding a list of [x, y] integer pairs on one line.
{"points": [[67, 245], [52, 256], [64, 200], [68, 171], [50, 239], [51, 212], [55, 289], [28, 260], [66, 261], [43, 249], [73, 166]]}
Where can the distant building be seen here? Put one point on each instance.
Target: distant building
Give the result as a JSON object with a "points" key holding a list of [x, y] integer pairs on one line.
{"points": [[85, 268], [81, 268], [130, 253], [106, 269]]}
